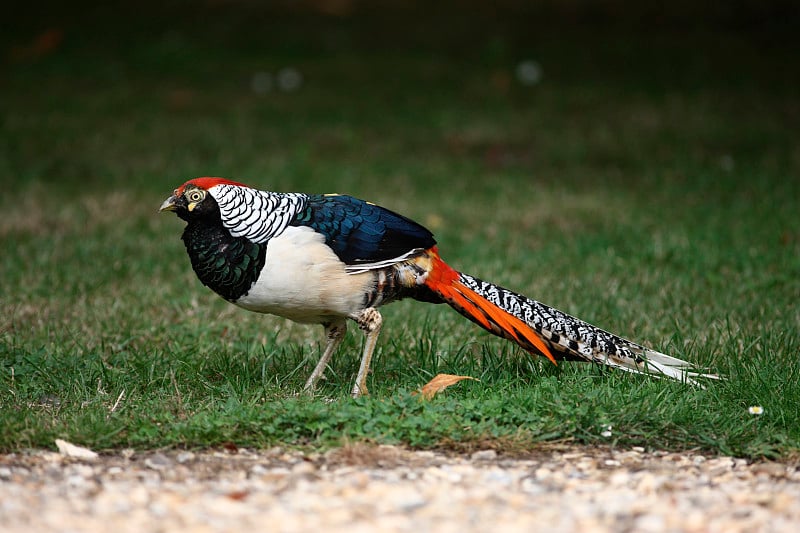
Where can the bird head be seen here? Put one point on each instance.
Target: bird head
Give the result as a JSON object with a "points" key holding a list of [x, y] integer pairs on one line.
{"points": [[195, 198]]}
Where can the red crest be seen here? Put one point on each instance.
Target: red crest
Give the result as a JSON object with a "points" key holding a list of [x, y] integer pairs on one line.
{"points": [[206, 183]]}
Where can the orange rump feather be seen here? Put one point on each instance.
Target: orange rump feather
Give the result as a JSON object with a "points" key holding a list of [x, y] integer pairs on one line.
{"points": [[444, 280]]}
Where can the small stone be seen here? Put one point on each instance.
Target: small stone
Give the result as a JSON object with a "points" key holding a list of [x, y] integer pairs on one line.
{"points": [[406, 500], [258, 470], [484, 455], [82, 470], [158, 461], [52, 457], [158, 509], [424, 454], [303, 467], [76, 481], [619, 478], [184, 457], [499, 476], [782, 503], [696, 521], [770, 469], [530, 486], [138, 495], [275, 451], [649, 522], [647, 483]]}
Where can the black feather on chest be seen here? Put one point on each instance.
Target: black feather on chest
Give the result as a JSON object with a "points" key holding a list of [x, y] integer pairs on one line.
{"points": [[227, 265]]}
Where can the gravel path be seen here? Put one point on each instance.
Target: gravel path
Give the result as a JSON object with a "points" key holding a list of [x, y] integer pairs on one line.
{"points": [[364, 488]]}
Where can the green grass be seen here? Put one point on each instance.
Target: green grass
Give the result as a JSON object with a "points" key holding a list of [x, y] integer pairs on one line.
{"points": [[651, 187]]}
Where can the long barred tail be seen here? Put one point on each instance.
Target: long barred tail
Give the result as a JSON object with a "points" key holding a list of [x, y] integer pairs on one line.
{"points": [[544, 330]]}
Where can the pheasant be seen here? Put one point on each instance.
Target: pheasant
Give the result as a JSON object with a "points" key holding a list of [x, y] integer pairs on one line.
{"points": [[326, 259]]}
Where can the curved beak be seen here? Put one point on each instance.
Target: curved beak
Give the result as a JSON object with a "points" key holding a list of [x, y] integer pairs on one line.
{"points": [[169, 204]]}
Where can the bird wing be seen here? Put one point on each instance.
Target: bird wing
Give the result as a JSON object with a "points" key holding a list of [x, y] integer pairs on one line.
{"points": [[363, 235]]}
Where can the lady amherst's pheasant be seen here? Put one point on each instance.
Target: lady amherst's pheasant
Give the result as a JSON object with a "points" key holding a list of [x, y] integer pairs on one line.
{"points": [[324, 259]]}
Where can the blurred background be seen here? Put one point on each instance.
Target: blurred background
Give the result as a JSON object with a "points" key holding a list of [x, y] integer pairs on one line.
{"points": [[379, 97], [590, 137]]}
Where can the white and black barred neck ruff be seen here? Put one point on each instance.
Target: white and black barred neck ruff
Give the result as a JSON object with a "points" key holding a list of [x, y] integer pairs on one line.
{"points": [[256, 215]]}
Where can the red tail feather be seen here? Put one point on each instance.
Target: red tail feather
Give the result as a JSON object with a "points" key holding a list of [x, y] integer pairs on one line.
{"points": [[444, 281]]}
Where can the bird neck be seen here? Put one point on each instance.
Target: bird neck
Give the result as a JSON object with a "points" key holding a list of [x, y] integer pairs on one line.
{"points": [[227, 265]]}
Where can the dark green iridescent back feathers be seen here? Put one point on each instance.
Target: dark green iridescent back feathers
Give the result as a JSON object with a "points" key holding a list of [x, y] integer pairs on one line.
{"points": [[361, 232]]}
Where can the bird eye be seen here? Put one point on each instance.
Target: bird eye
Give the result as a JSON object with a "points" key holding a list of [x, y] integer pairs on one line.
{"points": [[195, 195]]}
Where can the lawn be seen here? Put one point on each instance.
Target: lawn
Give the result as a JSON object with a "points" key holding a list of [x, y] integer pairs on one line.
{"points": [[648, 182]]}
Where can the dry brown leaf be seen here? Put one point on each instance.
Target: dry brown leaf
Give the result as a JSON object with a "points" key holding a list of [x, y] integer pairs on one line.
{"points": [[441, 382]]}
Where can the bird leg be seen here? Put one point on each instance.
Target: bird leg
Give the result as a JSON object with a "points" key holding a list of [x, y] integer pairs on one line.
{"points": [[334, 333], [369, 320]]}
